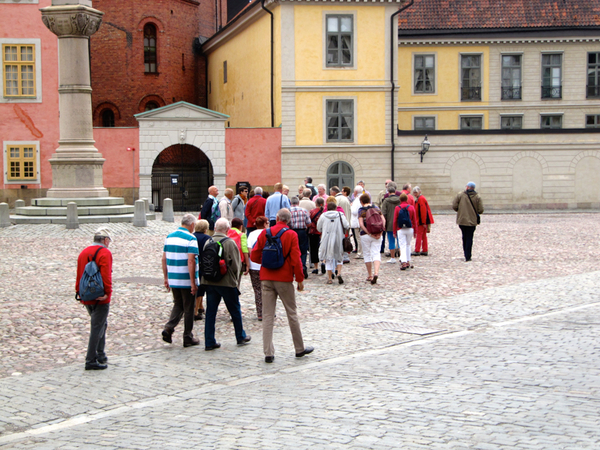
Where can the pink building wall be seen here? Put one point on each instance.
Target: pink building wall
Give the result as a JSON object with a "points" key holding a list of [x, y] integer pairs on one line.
{"points": [[254, 155], [120, 164], [23, 121]]}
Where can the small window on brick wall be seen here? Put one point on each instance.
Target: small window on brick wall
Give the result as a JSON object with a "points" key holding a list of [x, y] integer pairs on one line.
{"points": [[150, 59]]}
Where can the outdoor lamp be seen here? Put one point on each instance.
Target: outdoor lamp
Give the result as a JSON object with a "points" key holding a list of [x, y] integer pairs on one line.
{"points": [[424, 147]]}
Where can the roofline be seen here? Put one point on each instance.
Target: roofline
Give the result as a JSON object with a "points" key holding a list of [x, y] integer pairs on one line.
{"points": [[218, 34], [485, 32]]}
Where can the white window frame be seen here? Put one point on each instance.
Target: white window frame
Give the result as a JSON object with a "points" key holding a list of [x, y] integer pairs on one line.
{"points": [[435, 68], [521, 115], [5, 166], [481, 75], [352, 66], [465, 116], [354, 120], [414, 119], [37, 43]]}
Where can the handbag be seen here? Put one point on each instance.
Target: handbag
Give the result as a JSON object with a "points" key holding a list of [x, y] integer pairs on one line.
{"points": [[478, 216], [346, 242]]}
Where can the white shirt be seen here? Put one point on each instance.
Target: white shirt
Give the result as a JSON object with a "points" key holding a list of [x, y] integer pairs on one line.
{"points": [[252, 238]]}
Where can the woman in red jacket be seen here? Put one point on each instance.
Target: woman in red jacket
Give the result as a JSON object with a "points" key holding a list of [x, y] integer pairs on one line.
{"points": [[404, 230]]}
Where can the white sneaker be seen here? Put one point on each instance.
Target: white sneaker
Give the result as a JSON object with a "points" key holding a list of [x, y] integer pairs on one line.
{"points": [[393, 260]]}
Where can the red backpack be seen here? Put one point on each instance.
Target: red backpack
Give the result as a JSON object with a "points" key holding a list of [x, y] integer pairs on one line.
{"points": [[374, 221]]}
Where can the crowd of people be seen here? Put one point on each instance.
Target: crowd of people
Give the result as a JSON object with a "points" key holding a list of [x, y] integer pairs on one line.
{"points": [[276, 239]]}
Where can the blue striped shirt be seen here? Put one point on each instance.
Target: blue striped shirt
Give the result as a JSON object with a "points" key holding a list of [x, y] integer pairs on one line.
{"points": [[178, 245]]}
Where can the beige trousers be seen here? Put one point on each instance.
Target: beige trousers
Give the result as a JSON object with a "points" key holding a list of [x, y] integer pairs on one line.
{"points": [[285, 290]]}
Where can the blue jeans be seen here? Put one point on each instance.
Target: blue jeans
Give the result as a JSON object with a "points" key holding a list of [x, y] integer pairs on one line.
{"points": [[230, 296], [98, 314], [391, 240]]}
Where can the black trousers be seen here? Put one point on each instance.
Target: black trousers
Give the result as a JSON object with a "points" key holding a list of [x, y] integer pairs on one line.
{"points": [[467, 238], [302, 243], [184, 304], [314, 241]]}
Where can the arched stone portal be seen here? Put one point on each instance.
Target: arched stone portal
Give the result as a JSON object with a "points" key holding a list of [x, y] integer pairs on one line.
{"points": [[182, 173], [185, 126]]}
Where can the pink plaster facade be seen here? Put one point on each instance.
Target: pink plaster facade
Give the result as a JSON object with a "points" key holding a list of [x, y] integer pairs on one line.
{"points": [[32, 120], [120, 163], [253, 155]]}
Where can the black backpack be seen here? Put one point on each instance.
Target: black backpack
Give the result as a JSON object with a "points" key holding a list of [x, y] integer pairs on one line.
{"points": [[272, 254], [213, 266], [91, 285], [403, 219]]}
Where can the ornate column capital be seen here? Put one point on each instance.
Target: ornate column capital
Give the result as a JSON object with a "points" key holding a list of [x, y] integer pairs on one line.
{"points": [[72, 20]]}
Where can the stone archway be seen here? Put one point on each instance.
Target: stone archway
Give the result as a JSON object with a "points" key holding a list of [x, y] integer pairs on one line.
{"points": [[181, 124], [182, 173]]}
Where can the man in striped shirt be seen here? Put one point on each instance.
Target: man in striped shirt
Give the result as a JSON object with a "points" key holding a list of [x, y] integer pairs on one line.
{"points": [[180, 268]]}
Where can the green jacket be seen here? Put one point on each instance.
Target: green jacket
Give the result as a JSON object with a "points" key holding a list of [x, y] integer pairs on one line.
{"points": [[466, 213], [234, 263]]}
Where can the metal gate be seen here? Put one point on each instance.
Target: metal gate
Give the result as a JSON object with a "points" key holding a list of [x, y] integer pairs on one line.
{"points": [[182, 173]]}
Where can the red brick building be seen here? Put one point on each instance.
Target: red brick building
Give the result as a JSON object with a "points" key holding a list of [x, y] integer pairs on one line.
{"points": [[147, 55]]}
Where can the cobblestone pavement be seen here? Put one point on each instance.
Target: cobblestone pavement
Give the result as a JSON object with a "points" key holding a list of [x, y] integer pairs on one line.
{"points": [[501, 352]]}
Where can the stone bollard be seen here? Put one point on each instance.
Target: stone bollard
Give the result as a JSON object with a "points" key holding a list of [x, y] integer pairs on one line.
{"points": [[19, 204], [168, 210], [139, 216], [4, 215], [146, 205], [72, 216]]}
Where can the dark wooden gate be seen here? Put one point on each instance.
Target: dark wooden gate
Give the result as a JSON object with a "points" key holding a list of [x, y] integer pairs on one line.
{"points": [[182, 173]]}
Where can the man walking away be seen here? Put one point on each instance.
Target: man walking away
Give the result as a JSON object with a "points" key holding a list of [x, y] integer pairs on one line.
{"points": [[299, 223], [226, 288], [280, 282], [210, 210], [275, 202], [254, 208], [469, 205], [180, 270], [95, 358], [424, 221]]}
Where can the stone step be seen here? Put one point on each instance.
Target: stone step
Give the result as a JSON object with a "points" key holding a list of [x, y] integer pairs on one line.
{"points": [[36, 220], [81, 210], [57, 202]]}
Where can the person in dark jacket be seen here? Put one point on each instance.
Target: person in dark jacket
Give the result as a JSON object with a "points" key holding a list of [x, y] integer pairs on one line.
{"points": [[210, 210], [200, 230], [388, 208], [469, 205]]}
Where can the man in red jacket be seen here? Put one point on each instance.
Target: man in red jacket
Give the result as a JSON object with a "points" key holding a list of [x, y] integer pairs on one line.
{"points": [[281, 282], [424, 221], [254, 208], [98, 309]]}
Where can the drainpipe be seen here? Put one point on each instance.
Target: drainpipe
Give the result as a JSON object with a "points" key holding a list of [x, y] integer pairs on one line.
{"points": [[392, 50], [262, 4]]}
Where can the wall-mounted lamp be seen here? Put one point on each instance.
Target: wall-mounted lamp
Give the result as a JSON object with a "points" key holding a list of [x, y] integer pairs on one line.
{"points": [[424, 147]]}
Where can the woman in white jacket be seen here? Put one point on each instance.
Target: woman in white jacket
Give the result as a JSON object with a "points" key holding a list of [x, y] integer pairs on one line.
{"points": [[358, 190], [332, 225]]}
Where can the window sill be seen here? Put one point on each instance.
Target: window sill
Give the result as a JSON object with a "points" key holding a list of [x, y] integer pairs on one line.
{"points": [[152, 73]]}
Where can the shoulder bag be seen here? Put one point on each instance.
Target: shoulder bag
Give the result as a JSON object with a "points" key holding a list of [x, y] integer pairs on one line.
{"points": [[346, 243], [478, 216]]}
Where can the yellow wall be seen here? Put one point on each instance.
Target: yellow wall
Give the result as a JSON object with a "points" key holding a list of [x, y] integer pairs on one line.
{"points": [[448, 84], [369, 34], [370, 110], [246, 95]]}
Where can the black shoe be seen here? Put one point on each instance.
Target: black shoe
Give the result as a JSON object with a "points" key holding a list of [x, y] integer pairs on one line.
{"points": [[212, 347], [306, 351], [269, 359], [340, 280], [423, 253], [245, 341], [315, 272], [102, 360], [388, 254], [199, 316], [95, 366], [191, 342], [415, 254], [167, 336], [323, 268], [467, 260], [305, 272]]}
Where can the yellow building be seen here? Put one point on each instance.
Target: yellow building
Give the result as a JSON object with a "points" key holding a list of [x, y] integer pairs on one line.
{"points": [[330, 65]]}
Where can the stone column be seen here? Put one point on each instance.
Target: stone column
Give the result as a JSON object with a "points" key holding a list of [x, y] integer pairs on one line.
{"points": [[77, 163]]}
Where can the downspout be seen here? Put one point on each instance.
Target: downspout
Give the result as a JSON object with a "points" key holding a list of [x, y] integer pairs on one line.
{"points": [[262, 4], [392, 50]]}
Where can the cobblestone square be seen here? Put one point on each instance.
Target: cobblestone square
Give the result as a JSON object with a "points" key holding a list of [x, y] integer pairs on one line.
{"points": [[509, 359]]}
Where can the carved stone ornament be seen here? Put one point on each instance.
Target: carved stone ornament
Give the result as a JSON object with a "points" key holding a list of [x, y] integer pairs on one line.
{"points": [[74, 20]]}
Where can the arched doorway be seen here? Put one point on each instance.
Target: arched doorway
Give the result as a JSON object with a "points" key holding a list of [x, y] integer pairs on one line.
{"points": [[340, 174], [182, 173]]}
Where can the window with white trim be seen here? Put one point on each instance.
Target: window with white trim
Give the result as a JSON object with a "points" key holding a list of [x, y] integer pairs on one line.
{"points": [[340, 40], [511, 122], [471, 122], [21, 162], [340, 120], [18, 68], [551, 121], [424, 66], [424, 123]]}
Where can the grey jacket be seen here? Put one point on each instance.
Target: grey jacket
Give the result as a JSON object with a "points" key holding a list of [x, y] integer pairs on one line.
{"points": [[234, 263], [388, 208], [466, 213], [331, 246], [238, 207]]}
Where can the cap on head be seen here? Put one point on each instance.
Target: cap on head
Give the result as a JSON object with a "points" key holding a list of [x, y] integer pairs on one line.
{"points": [[471, 185], [103, 233]]}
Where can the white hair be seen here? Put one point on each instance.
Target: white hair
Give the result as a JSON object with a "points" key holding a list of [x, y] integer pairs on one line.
{"points": [[416, 189], [258, 190], [358, 189], [188, 219], [321, 186], [222, 225]]}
